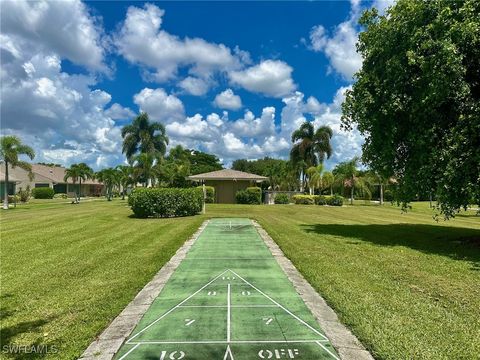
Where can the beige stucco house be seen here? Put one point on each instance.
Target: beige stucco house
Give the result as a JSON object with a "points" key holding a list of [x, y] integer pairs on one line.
{"points": [[53, 177], [227, 182]]}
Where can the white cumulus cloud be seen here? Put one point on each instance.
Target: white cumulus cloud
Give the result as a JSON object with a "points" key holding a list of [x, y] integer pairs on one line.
{"points": [[270, 77], [159, 105], [65, 28], [228, 100]]}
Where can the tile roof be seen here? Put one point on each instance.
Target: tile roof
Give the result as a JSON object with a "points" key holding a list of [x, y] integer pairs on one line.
{"points": [[56, 174], [227, 174]]}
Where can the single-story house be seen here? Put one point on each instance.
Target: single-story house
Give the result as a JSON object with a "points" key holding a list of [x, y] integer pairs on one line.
{"points": [[227, 182], [53, 177]]}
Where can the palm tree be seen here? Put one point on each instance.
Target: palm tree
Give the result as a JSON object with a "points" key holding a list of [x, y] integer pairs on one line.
{"points": [[347, 173], [125, 174], [314, 177], [143, 136], [74, 173], [10, 149], [144, 165], [310, 147], [84, 172], [109, 177], [327, 180]]}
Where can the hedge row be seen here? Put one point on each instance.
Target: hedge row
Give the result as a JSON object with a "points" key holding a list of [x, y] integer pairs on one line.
{"points": [[281, 199], [43, 193], [335, 200], [210, 190], [165, 202], [251, 195]]}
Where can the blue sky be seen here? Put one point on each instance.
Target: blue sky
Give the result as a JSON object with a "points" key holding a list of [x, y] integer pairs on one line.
{"points": [[230, 78]]}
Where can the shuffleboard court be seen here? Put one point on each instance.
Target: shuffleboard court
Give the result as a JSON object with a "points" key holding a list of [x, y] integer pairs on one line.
{"points": [[228, 299]]}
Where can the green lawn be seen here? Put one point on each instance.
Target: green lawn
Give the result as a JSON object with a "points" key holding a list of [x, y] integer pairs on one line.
{"points": [[406, 285]]}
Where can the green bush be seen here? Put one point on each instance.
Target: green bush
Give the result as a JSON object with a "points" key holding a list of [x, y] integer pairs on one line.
{"points": [[60, 196], [305, 199], [165, 202], [282, 199], [43, 193], [210, 190], [335, 200], [321, 200], [251, 195]]}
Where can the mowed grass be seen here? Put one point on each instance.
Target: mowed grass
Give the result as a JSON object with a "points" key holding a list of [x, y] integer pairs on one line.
{"points": [[406, 285], [68, 270]]}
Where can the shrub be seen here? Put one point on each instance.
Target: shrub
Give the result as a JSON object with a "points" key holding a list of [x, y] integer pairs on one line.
{"points": [[321, 200], [165, 202], [335, 200], [210, 194], [60, 196], [305, 199], [388, 195], [24, 195], [13, 199], [282, 199], [251, 195], [43, 193]]}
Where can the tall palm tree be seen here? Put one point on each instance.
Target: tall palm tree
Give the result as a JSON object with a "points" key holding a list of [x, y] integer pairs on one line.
{"points": [[144, 164], [314, 177], [73, 172], [109, 177], [85, 172], [310, 147], [125, 174], [10, 149], [143, 136]]}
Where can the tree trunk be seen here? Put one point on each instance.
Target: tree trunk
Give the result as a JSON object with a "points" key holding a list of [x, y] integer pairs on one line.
{"points": [[79, 189], [123, 192], [381, 194], [430, 198], [5, 200], [331, 190], [351, 194]]}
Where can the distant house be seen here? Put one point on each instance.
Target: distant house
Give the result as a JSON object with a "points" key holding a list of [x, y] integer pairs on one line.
{"points": [[53, 177], [227, 182], [12, 184]]}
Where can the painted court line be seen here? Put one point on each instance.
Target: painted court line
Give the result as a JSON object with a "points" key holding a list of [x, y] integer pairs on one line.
{"points": [[328, 351], [224, 306], [228, 314], [176, 306], [129, 351], [223, 342], [284, 308]]}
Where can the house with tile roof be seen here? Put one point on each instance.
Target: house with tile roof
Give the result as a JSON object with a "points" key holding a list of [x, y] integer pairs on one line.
{"points": [[227, 182]]}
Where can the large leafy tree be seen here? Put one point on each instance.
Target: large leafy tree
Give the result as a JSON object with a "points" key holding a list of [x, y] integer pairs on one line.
{"points": [[11, 148], [310, 146], [417, 99], [275, 169], [144, 136]]}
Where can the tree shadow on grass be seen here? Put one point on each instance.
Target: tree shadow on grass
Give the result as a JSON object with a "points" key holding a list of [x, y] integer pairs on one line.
{"points": [[8, 333], [454, 242]]}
